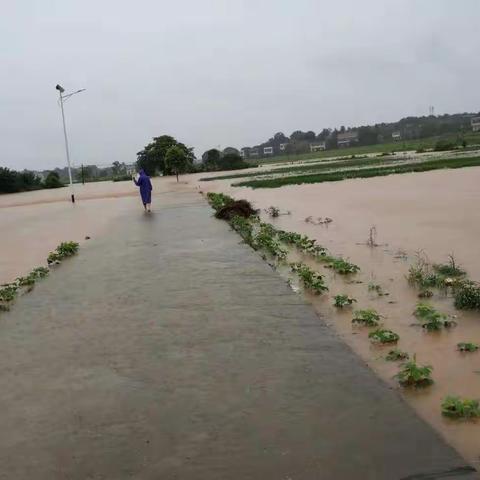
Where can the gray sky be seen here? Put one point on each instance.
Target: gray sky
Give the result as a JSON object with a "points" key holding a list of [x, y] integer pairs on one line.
{"points": [[223, 72]]}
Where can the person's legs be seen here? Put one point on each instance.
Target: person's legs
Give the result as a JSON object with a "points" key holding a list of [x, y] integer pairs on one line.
{"points": [[145, 206], [149, 207]]}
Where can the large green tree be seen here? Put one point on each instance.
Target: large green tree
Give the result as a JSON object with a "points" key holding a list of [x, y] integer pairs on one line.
{"points": [[176, 160], [152, 157], [211, 159], [53, 180]]}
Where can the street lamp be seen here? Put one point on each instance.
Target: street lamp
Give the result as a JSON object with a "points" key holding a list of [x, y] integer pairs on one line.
{"points": [[63, 98]]}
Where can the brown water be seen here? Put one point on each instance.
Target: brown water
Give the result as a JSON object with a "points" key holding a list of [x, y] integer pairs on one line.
{"points": [[34, 223], [434, 211], [437, 212]]}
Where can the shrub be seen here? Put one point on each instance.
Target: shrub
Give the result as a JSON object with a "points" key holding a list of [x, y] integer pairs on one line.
{"points": [[383, 336], [368, 317], [310, 279], [467, 296], [395, 355], [341, 301], [450, 269], [413, 375], [467, 347], [456, 407], [8, 292]]}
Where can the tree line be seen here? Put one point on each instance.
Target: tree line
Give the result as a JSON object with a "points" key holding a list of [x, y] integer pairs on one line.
{"points": [[12, 181]]}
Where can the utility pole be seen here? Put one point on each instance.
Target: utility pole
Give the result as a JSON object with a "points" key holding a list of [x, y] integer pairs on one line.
{"points": [[83, 176], [61, 90]]}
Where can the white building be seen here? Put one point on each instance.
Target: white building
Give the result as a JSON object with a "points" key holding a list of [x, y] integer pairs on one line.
{"points": [[317, 147], [475, 122], [268, 150], [282, 146], [396, 136]]}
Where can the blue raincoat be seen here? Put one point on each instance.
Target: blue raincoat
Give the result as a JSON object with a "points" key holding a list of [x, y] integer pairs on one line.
{"points": [[145, 187]]}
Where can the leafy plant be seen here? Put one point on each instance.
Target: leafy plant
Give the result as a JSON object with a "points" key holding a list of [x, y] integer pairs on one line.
{"points": [[430, 318], [8, 292], [218, 200], [340, 265], [65, 249], [467, 296], [456, 407], [368, 317], [383, 336], [414, 375], [341, 301], [310, 279], [264, 240], [395, 355], [243, 226], [467, 347]]}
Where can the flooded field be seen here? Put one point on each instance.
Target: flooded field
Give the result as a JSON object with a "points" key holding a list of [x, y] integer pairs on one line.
{"points": [[34, 223], [435, 213]]}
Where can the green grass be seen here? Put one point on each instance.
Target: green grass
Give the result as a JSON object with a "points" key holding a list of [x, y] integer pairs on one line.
{"points": [[315, 167], [423, 143], [364, 173]]}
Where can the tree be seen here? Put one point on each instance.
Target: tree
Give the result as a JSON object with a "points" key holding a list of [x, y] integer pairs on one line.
{"points": [[53, 180], [211, 159], [152, 157], [232, 161], [176, 160]]}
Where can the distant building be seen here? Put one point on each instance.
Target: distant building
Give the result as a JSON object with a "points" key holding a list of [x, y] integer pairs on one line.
{"points": [[318, 146], [283, 146], [347, 139], [396, 136], [475, 122], [131, 169], [268, 150], [254, 152]]}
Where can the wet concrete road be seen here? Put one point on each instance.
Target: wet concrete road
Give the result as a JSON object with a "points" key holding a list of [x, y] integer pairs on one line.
{"points": [[167, 350]]}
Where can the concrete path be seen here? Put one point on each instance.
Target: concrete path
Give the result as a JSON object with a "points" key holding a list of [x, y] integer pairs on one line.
{"points": [[167, 350]]}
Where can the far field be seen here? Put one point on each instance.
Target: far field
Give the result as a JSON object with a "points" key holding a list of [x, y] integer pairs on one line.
{"points": [[471, 138]]}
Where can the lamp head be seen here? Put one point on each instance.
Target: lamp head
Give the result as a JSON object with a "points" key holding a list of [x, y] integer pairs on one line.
{"points": [[60, 88]]}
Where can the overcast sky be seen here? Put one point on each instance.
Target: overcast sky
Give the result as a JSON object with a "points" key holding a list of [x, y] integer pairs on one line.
{"points": [[223, 72]]}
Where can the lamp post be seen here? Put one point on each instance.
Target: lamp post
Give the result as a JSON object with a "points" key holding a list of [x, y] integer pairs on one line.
{"points": [[63, 98]]}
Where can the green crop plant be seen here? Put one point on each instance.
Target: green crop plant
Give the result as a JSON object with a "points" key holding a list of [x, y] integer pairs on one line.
{"points": [[456, 407], [243, 226], [218, 200], [467, 296], [414, 375], [8, 292], [341, 301], [467, 347], [65, 249], [340, 265], [312, 280], [430, 318], [368, 317], [383, 336], [396, 355]]}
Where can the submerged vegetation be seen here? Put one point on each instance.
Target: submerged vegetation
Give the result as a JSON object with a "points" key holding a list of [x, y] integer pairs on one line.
{"points": [[396, 355], [430, 318], [65, 249], [368, 317], [467, 347], [311, 280], [341, 301], [414, 375], [456, 407], [467, 296], [383, 336]]}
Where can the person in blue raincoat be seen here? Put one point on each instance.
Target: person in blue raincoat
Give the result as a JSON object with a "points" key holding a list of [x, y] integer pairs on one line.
{"points": [[145, 185]]}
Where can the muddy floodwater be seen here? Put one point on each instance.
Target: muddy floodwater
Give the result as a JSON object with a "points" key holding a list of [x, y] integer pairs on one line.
{"points": [[434, 212]]}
